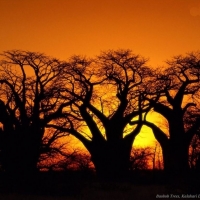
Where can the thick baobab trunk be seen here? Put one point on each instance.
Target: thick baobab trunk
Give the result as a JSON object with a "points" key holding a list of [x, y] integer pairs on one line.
{"points": [[111, 160], [174, 149], [178, 146], [175, 156], [176, 164], [21, 152], [30, 150]]}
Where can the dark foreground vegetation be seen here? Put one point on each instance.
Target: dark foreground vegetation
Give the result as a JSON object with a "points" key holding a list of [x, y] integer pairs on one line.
{"points": [[144, 184]]}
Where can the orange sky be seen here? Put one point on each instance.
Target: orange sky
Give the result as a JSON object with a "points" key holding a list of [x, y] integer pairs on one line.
{"points": [[156, 29]]}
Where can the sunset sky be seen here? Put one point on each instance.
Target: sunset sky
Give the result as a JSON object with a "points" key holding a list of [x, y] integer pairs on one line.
{"points": [[155, 29]]}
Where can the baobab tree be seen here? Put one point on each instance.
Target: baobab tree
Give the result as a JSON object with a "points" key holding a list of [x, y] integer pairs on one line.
{"points": [[173, 92], [107, 98], [29, 100]]}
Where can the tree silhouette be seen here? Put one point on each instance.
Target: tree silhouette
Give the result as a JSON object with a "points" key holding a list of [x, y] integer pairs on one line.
{"points": [[194, 153], [173, 92], [55, 149], [29, 100], [140, 158], [106, 98]]}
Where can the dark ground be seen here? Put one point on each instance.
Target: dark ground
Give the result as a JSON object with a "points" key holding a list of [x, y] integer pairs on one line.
{"points": [[85, 185]]}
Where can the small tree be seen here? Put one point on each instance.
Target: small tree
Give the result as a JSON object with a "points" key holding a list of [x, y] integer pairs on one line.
{"points": [[140, 158], [194, 153], [157, 161], [54, 149]]}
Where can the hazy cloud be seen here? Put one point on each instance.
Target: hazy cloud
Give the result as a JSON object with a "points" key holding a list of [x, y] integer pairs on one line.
{"points": [[195, 11]]}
